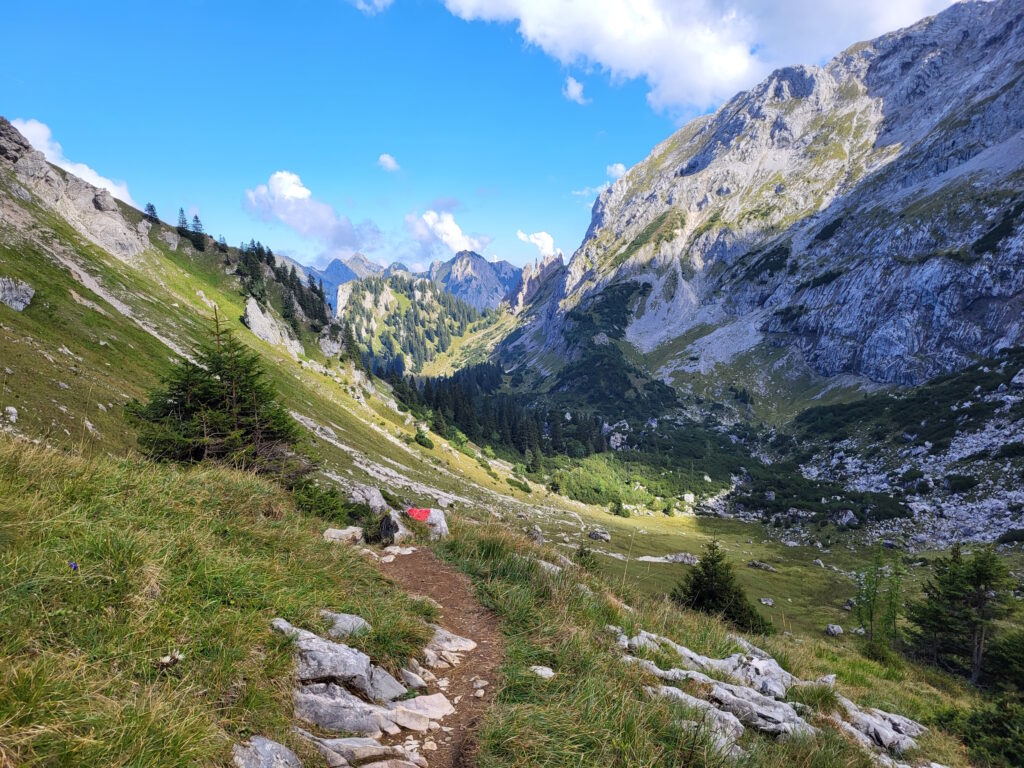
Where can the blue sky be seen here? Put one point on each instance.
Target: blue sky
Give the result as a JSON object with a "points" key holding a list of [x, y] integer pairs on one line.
{"points": [[270, 119]]}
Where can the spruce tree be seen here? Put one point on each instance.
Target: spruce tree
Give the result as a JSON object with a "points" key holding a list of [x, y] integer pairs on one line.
{"points": [[150, 212], [711, 587], [182, 219], [221, 408], [197, 225]]}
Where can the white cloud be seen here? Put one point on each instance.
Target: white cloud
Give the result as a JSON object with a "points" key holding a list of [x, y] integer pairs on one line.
{"points": [[442, 226], [388, 163], [371, 7], [573, 90], [41, 139], [544, 242], [591, 191], [286, 199], [694, 54], [615, 171]]}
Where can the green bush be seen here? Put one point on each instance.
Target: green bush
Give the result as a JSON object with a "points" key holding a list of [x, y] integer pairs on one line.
{"points": [[993, 732], [960, 483], [223, 408], [424, 440], [327, 504], [1012, 536], [522, 485]]}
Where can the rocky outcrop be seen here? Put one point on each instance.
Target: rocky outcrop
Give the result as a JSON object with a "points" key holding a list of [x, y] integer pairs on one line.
{"points": [[755, 700], [16, 294], [265, 326], [866, 216], [533, 277], [91, 211]]}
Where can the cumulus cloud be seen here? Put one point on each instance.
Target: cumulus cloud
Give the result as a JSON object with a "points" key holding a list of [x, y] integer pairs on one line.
{"points": [[388, 163], [286, 199], [615, 171], [443, 227], [573, 90], [542, 240], [371, 7], [591, 191], [41, 139], [693, 54]]}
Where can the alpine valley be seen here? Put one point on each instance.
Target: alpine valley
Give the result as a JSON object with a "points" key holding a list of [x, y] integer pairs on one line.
{"points": [[697, 496]]}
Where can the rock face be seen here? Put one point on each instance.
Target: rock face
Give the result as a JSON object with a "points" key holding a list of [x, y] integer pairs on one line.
{"points": [[478, 282], [371, 497], [15, 294], [267, 327], [865, 217], [91, 211]]}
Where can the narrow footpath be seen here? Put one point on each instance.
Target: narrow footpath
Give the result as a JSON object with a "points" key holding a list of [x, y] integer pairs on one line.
{"points": [[421, 574]]}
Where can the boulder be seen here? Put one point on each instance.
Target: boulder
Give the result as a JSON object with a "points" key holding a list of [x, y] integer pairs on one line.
{"points": [[445, 641], [392, 530], [599, 534], [371, 497], [319, 659], [344, 625], [437, 525], [16, 294], [767, 601], [259, 752], [536, 534], [833, 630], [1018, 380], [351, 535], [761, 566]]}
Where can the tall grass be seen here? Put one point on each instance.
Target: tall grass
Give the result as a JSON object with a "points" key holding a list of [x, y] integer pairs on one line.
{"points": [[108, 565]]}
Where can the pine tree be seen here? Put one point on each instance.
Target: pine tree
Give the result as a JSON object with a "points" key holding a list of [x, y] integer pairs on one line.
{"points": [[150, 212], [197, 225], [182, 220], [711, 587]]}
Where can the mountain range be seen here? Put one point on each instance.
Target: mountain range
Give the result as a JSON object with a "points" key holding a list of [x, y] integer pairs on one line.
{"points": [[843, 226]]}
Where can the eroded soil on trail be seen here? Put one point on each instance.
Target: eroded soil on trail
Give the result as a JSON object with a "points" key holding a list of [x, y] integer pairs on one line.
{"points": [[422, 574]]}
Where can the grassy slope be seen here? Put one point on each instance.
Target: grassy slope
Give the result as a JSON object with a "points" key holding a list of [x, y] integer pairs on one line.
{"points": [[594, 711], [197, 561]]}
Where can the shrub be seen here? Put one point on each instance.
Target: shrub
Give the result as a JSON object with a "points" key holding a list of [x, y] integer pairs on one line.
{"points": [[327, 504], [993, 732], [522, 485], [1012, 536], [585, 558], [960, 483], [424, 440]]}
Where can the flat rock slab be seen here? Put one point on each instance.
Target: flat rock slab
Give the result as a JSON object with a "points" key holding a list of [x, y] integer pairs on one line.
{"points": [[435, 706], [344, 625], [264, 753]]}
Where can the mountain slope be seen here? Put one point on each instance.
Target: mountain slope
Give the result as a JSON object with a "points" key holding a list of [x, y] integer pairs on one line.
{"points": [[864, 218], [478, 282], [404, 320]]}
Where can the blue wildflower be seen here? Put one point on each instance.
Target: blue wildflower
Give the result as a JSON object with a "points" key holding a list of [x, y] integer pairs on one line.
{"points": [[73, 565]]}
